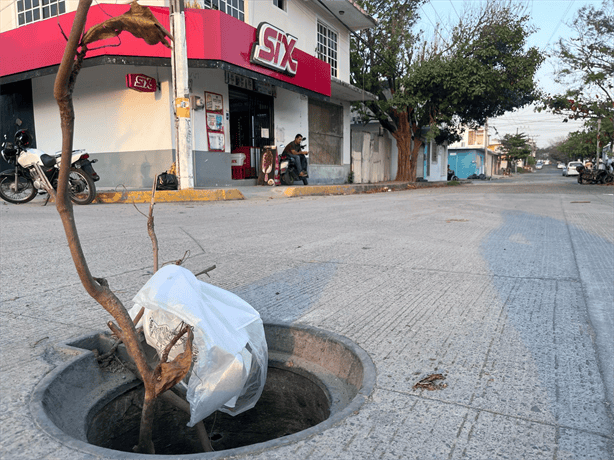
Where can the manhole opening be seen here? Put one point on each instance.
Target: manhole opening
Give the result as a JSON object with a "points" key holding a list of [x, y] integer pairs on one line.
{"points": [[315, 379], [289, 403]]}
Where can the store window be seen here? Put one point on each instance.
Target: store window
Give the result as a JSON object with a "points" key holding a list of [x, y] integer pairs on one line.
{"points": [[281, 4], [235, 8], [325, 133], [36, 10], [327, 46]]}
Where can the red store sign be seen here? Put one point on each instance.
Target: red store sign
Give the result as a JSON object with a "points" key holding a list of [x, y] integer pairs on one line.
{"points": [[141, 82], [274, 49]]}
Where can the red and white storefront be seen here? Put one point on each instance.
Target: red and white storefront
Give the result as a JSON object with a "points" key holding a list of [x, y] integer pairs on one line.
{"points": [[124, 108]]}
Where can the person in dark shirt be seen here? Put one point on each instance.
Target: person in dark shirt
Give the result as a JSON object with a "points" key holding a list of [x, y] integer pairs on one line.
{"points": [[293, 149]]}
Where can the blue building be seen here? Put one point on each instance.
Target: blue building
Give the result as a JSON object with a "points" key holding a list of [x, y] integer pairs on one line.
{"points": [[466, 161]]}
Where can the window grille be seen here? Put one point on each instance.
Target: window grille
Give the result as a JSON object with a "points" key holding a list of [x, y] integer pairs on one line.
{"points": [[235, 8], [327, 46], [29, 11]]}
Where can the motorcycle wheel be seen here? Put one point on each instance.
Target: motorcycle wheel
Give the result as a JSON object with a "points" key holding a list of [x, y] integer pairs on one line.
{"points": [[81, 187], [609, 178], [25, 189], [305, 181], [287, 178]]}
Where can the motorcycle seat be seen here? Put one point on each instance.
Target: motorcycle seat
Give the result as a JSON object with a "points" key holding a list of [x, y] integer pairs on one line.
{"points": [[47, 160]]}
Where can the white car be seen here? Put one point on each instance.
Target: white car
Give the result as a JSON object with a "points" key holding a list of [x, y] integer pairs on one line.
{"points": [[560, 165], [571, 168]]}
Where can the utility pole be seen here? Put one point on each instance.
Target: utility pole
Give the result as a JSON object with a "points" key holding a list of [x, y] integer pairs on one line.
{"points": [[181, 96], [597, 155], [492, 160]]}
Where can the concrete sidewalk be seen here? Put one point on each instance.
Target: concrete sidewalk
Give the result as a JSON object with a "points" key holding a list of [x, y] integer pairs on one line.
{"points": [[250, 192]]}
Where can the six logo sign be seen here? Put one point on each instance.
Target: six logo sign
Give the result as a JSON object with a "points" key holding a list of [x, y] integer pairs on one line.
{"points": [[274, 49], [141, 82]]}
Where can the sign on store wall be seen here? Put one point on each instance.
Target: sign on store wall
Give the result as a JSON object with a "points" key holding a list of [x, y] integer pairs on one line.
{"points": [[214, 109], [274, 48], [141, 82]]}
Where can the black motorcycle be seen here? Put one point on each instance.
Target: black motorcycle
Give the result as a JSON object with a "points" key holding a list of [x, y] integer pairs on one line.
{"points": [[33, 170], [289, 171]]}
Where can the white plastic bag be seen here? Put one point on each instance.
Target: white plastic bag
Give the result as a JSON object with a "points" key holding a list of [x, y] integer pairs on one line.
{"points": [[230, 350]]}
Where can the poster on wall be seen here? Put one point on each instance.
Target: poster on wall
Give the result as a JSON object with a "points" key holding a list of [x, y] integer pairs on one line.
{"points": [[216, 142], [214, 107], [214, 102], [215, 122]]}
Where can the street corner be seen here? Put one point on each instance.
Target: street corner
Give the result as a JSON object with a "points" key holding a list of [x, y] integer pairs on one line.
{"points": [[169, 196]]}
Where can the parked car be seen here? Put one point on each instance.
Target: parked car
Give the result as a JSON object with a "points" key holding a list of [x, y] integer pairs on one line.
{"points": [[547, 162], [571, 168], [560, 165], [539, 165]]}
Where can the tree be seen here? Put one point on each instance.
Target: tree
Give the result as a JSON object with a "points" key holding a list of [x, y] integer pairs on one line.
{"points": [[587, 61], [163, 375], [516, 147], [583, 144], [480, 70], [554, 152]]}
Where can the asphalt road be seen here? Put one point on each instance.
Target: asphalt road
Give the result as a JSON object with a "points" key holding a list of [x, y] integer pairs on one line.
{"points": [[505, 286]]}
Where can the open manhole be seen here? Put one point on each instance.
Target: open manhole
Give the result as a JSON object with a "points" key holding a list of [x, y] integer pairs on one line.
{"points": [[315, 379]]}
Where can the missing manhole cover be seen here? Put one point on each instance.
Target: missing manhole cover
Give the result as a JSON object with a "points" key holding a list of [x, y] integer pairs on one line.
{"points": [[315, 379], [290, 403]]}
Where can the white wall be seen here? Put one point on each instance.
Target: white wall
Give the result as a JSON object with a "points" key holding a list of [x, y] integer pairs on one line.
{"points": [[438, 170], [291, 111], [347, 131], [208, 80], [108, 116], [8, 15]]}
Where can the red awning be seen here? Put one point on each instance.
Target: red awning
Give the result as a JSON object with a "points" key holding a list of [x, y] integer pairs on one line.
{"points": [[210, 35]]}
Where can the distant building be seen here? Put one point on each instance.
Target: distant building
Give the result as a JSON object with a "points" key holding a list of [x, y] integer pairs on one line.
{"points": [[475, 153]]}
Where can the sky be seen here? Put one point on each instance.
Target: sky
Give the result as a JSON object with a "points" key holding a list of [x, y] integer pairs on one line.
{"points": [[550, 17]]}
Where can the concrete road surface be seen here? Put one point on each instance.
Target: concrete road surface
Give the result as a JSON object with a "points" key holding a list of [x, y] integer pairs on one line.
{"points": [[506, 287]]}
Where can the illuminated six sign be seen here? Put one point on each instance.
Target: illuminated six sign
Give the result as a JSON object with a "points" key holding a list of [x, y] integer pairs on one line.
{"points": [[274, 48]]}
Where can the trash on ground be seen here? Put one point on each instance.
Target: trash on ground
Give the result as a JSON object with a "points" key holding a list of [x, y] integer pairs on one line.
{"points": [[430, 384], [230, 351]]}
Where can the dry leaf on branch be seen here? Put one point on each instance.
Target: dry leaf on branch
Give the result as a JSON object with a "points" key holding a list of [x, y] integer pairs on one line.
{"points": [[139, 21]]}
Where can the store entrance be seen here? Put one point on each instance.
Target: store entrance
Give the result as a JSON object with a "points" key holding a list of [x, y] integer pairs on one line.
{"points": [[251, 127]]}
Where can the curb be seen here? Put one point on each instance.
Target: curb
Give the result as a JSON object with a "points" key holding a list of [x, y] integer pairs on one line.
{"points": [[311, 190], [169, 196]]}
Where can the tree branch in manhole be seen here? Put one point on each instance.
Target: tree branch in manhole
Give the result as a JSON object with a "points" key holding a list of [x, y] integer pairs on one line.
{"points": [[141, 23]]}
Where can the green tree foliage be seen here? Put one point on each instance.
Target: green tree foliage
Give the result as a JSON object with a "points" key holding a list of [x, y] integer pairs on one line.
{"points": [[587, 68], [480, 69], [583, 144], [516, 147]]}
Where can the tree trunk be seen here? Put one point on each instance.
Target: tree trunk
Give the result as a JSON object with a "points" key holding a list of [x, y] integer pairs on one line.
{"points": [[408, 153]]}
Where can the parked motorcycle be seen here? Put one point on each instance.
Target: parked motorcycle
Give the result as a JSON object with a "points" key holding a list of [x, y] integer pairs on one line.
{"points": [[451, 175], [35, 170], [594, 176], [289, 171]]}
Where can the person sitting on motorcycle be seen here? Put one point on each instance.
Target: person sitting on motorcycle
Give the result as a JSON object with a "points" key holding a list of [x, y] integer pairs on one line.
{"points": [[293, 150]]}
